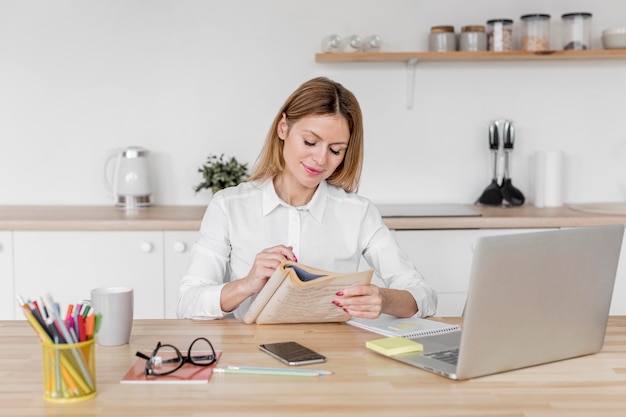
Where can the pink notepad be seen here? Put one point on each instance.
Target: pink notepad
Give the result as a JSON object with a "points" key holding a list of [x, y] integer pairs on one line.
{"points": [[188, 374]]}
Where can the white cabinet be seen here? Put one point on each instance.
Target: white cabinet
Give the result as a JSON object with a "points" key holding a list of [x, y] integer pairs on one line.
{"points": [[7, 299], [177, 250], [69, 264], [444, 257]]}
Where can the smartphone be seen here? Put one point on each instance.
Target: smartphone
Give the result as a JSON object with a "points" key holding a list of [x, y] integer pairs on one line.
{"points": [[292, 353]]}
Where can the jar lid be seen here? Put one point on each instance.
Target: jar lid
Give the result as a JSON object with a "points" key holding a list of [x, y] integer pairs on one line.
{"points": [[473, 28], [535, 16], [505, 21], [442, 29], [577, 14]]}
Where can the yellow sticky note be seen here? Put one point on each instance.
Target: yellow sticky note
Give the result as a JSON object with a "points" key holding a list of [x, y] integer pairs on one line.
{"points": [[390, 346]]}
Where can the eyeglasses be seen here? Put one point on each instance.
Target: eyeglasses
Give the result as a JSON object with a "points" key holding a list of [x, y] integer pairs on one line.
{"points": [[167, 359]]}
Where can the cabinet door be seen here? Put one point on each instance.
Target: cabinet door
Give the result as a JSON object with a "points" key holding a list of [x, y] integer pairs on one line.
{"points": [[7, 293], [69, 264], [444, 257], [618, 306], [177, 248]]}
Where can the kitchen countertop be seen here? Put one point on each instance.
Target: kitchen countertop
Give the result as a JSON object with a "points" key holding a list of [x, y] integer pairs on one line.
{"points": [[77, 218]]}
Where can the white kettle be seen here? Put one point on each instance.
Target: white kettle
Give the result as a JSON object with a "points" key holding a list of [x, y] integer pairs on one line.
{"points": [[129, 178]]}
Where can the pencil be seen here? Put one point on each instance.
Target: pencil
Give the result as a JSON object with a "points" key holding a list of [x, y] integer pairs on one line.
{"points": [[78, 356], [258, 372], [252, 370]]}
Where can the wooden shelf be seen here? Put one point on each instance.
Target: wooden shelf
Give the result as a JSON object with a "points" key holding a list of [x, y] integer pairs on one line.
{"points": [[470, 56], [413, 58]]}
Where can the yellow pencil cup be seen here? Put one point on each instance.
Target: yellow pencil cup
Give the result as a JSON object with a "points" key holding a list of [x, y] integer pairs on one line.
{"points": [[69, 371]]}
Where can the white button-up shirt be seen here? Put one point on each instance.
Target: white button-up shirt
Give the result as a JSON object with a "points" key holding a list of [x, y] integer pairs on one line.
{"points": [[333, 232]]}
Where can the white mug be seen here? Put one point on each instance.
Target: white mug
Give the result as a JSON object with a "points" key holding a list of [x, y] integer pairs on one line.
{"points": [[116, 306]]}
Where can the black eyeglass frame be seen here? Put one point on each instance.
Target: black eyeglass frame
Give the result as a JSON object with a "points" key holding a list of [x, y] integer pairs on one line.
{"points": [[180, 358]]}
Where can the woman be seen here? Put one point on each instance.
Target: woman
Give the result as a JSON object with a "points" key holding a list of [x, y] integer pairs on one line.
{"points": [[300, 204]]}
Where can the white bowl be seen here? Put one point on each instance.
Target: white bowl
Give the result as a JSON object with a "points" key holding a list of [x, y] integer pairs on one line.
{"points": [[614, 38]]}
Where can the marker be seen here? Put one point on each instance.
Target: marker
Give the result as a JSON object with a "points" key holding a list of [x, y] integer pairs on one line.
{"points": [[252, 370], [78, 356]]}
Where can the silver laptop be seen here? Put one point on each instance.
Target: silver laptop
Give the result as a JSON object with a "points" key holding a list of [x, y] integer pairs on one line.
{"points": [[533, 298]]}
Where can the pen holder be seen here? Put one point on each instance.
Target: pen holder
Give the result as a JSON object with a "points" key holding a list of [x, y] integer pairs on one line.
{"points": [[69, 371]]}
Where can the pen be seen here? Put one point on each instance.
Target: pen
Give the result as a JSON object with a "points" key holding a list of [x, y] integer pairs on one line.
{"points": [[252, 370], [78, 356]]}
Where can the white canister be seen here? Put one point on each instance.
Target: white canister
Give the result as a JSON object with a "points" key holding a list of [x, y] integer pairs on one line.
{"points": [[549, 178], [442, 39], [473, 38]]}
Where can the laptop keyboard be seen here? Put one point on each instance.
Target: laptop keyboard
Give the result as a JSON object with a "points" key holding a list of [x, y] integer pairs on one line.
{"points": [[450, 356]]}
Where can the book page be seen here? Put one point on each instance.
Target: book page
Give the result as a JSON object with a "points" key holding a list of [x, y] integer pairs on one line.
{"points": [[265, 294]]}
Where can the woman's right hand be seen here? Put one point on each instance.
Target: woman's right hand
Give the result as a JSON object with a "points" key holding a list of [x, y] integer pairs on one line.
{"points": [[265, 263]]}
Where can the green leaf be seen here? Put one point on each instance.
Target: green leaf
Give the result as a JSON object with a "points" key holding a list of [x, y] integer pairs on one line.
{"points": [[218, 173]]}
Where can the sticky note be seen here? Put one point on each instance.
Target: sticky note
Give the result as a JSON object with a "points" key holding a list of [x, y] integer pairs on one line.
{"points": [[390, 346]]}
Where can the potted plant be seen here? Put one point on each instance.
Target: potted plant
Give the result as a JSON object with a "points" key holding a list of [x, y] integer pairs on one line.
{"points": [[218, 173]]}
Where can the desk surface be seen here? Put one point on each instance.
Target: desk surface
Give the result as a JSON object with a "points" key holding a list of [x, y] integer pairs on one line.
{"points": [[363, 384]]}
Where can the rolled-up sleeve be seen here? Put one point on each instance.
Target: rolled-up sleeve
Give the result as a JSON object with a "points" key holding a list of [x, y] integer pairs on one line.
{"points": [[200, 289], [392, 265]]}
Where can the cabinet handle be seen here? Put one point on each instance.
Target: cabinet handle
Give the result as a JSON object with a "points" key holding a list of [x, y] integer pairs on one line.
{"points": [[179, 247], [146, 247]]}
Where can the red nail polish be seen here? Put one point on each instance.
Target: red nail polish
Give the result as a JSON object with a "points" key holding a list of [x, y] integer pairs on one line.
{"points": [[339, 293], [345, 309]]}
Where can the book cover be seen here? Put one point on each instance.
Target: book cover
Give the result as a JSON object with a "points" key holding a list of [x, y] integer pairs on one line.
{"points": [[296, 293], [410, 328], [188, 374], [390, 346]]}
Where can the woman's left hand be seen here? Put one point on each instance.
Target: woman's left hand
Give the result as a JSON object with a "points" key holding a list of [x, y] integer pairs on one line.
{"points": [[370, 301], [364, 301]]}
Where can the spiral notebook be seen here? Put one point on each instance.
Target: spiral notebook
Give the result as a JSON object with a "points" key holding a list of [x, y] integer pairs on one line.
{"points": [[407, 327]]}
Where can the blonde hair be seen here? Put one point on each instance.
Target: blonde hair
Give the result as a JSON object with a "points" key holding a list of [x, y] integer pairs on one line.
{"points": [[317, 97]]}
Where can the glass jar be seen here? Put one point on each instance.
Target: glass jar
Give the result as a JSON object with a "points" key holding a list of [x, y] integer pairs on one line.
{"points": [[500, 35], [473, 38], [354, 44], [372, 43], [442, 39], [576, 31], [535, 32], [332, 44]]}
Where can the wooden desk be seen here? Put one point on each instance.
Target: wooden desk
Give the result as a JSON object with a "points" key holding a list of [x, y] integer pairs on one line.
{"points": [[364, 384]]}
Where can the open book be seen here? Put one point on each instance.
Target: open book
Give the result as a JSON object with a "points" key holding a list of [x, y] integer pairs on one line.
{"points": [[406, 327], [296, 293]]}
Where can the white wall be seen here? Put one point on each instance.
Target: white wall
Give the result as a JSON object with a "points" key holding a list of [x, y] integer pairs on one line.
{"points": [[189, 78]]}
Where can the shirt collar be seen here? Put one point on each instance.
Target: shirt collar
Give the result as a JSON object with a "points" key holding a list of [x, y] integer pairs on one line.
{"points": [[316, 206]]}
